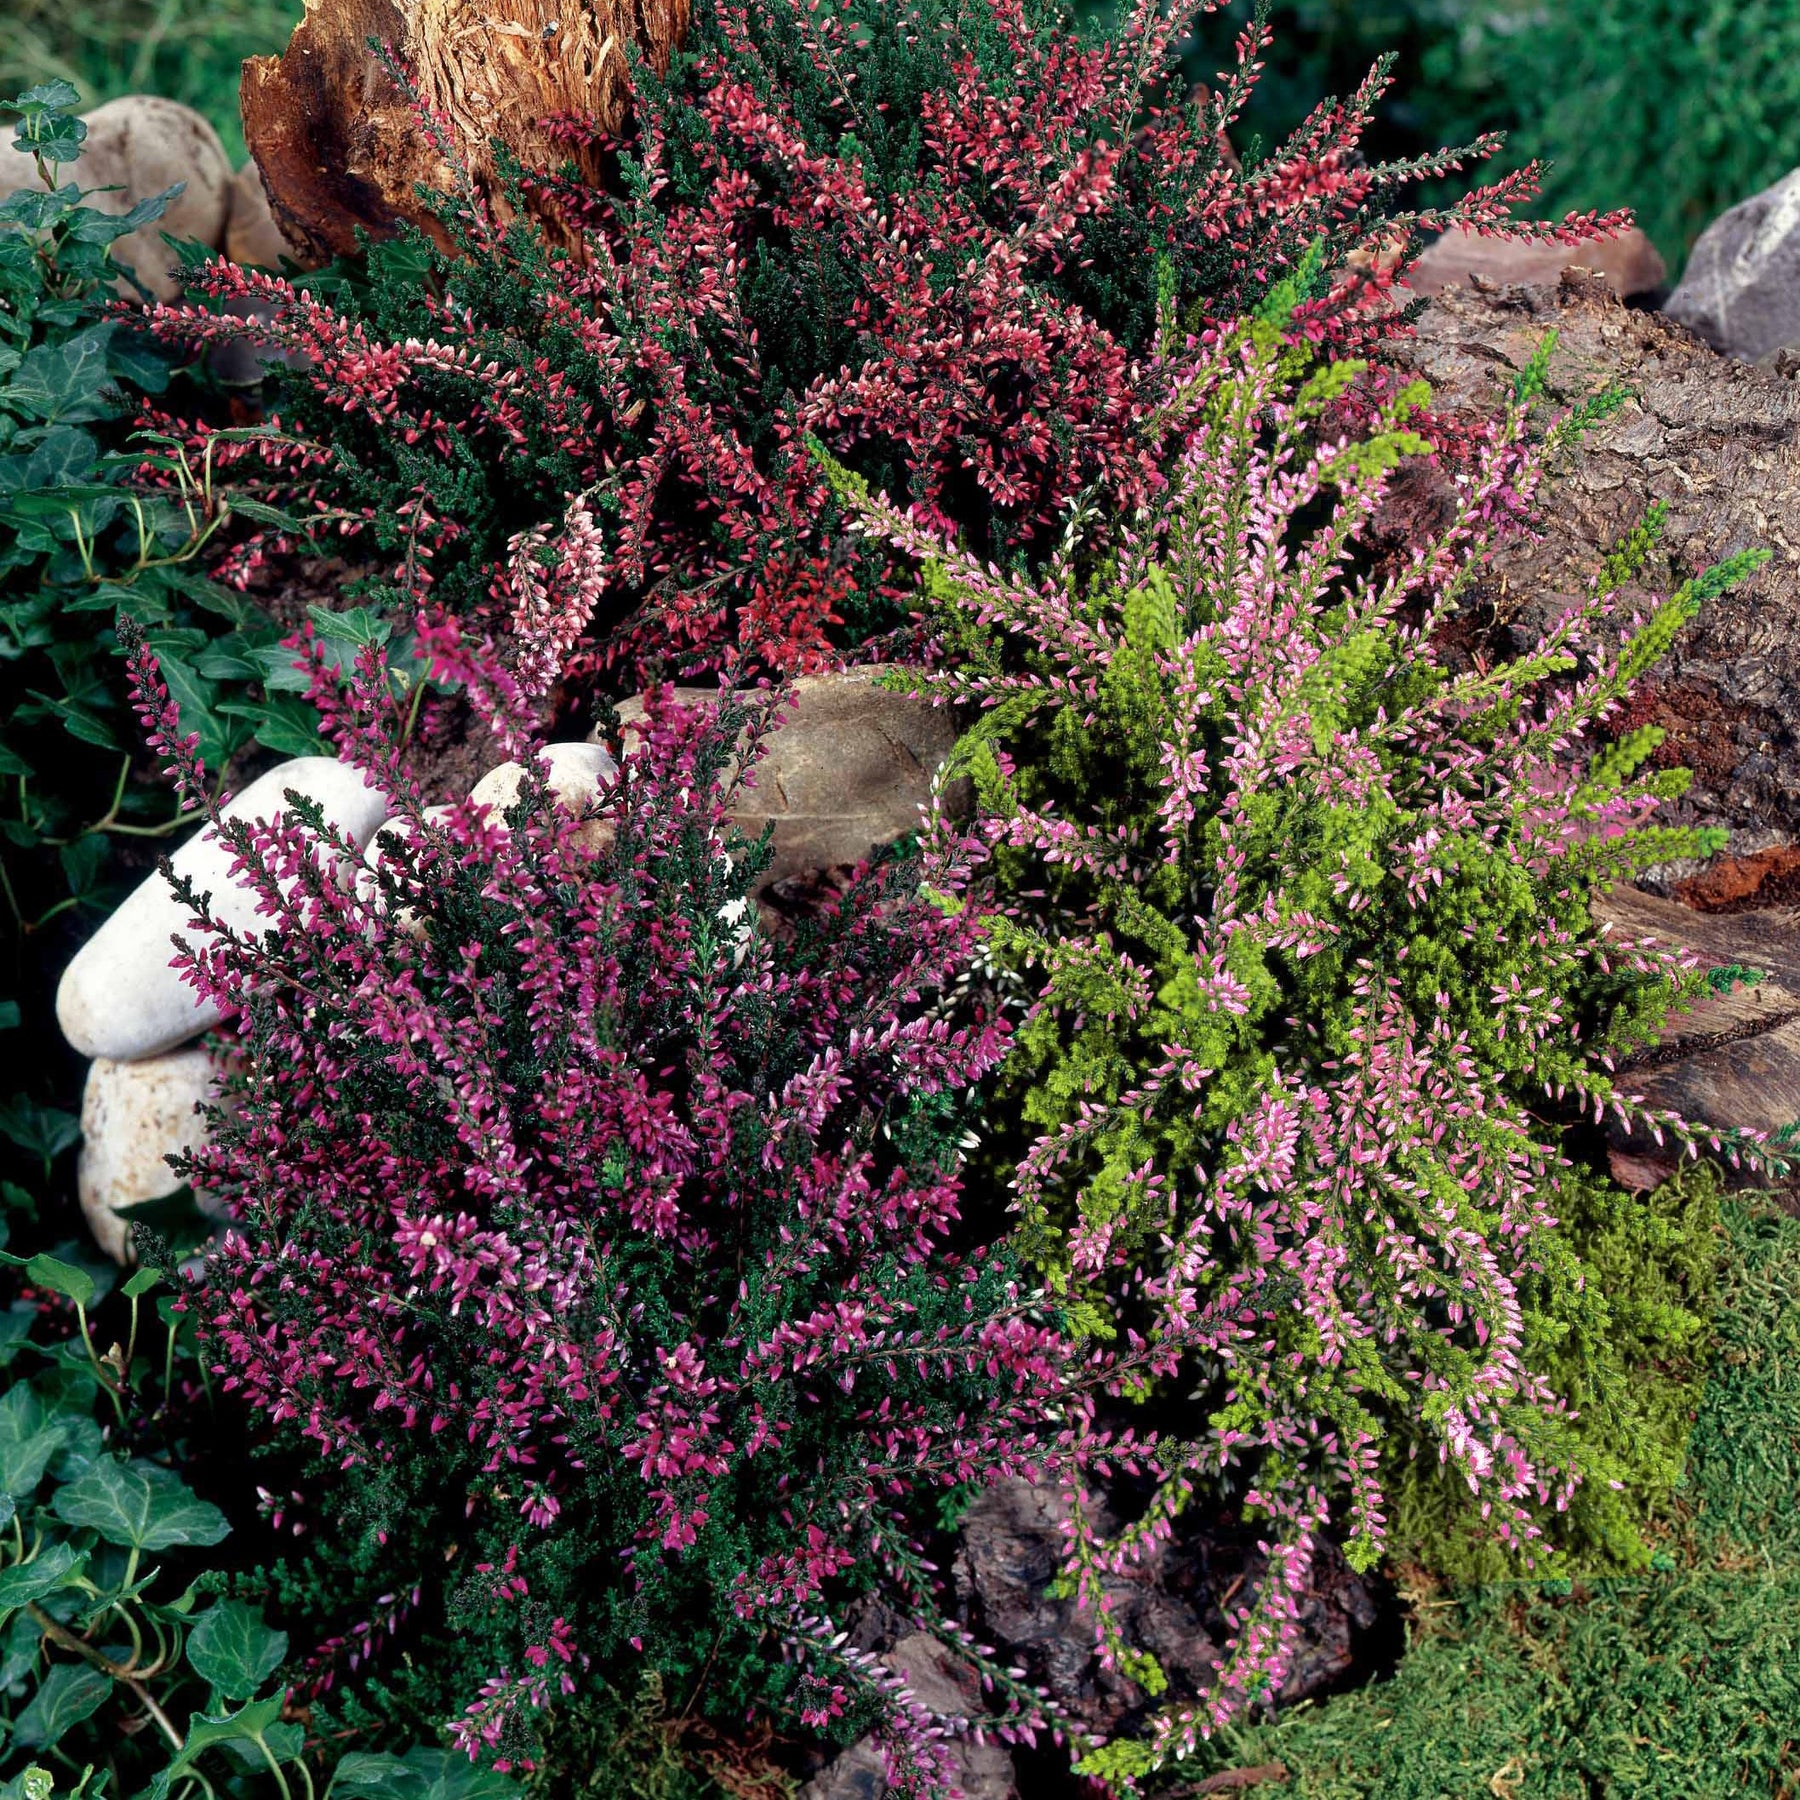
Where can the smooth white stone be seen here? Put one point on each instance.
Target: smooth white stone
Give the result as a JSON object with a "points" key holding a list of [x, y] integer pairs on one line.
{"points": [[134, 1115], [577, 774], [119, 997]]}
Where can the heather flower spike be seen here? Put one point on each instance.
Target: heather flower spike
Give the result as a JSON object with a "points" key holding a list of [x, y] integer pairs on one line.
{"points": [[1304, 912]]}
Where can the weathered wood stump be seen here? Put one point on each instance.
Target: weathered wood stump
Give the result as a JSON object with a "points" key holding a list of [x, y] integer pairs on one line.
{"points": [[337, 139]]}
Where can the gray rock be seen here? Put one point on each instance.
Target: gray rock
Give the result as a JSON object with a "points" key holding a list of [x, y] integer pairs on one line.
{"points": [[134, 1116], [1170, 1604], [252, 238], [120, 998], [140, 145], [380, 847], [943, 1685], [1741, 290]]}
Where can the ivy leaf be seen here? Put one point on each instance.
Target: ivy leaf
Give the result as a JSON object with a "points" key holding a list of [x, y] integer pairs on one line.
{"points": [[245, 1726], [82, 862], [55, 1567], [140, 1506], [67, 381], [71, 1692], [38, 208], [96, 227], [82, 722], [41, 1131], [60, 1277], [365, 1776], [449, 1775], [28, 1440], [65, 454], [233, 1650], [139, 360]]}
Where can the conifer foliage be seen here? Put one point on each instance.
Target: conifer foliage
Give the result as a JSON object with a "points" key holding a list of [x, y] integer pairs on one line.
{"points": [[957, 240], [1316, 982]]}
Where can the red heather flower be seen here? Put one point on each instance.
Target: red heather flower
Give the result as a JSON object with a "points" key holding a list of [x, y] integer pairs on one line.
{"points": [[1305, 917], [614, 1241], [955, 240]]}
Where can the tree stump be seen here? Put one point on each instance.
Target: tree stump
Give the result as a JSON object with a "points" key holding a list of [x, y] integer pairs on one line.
{"points": [[337, 139]]}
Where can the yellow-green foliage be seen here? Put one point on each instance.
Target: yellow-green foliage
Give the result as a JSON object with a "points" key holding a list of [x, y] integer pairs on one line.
{"points": [[1619, 1320]]}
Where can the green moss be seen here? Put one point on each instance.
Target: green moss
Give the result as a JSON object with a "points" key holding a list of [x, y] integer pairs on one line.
{"points": [[608, 1748], [1682, 1683]]}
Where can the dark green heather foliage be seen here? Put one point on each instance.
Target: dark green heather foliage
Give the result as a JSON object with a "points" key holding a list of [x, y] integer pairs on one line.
{"points": [[1680, 1683]]}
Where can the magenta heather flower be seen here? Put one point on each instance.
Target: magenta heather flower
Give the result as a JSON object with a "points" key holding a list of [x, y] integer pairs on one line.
{"points": [[582, 1227]]}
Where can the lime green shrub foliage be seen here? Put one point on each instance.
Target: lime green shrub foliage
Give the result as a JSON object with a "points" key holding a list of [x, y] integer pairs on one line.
{"points": [[1679, 1684], [1306, 915], [1626, 1350]]}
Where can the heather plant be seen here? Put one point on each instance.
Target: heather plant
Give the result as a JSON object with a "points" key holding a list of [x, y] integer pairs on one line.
{"points": [[1316, 989], [958, 240], [601, 1251]]}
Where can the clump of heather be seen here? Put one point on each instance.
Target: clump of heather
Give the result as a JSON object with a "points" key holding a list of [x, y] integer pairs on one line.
{"points": [[605, 1248], [960, 241], [1304, 913]]}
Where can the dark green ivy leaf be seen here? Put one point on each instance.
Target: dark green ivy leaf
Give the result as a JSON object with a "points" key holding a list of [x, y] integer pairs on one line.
{"points": [[140, 1506], [71, 1692]]}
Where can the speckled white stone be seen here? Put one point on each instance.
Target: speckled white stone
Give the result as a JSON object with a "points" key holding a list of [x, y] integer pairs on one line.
{"points": [[577, 773], [135, 1115], [120, 998]]}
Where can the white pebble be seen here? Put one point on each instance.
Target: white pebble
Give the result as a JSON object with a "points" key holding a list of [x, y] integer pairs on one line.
{"points": [[135, 1115], [577, 774], [120, 998]]}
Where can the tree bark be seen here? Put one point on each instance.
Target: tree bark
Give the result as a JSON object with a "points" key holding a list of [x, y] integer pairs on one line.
{"points": [[1718, 442]]}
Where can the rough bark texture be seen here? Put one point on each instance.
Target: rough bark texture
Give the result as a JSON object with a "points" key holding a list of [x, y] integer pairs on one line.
{"points": [[336, 139], [1719, 442]]}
